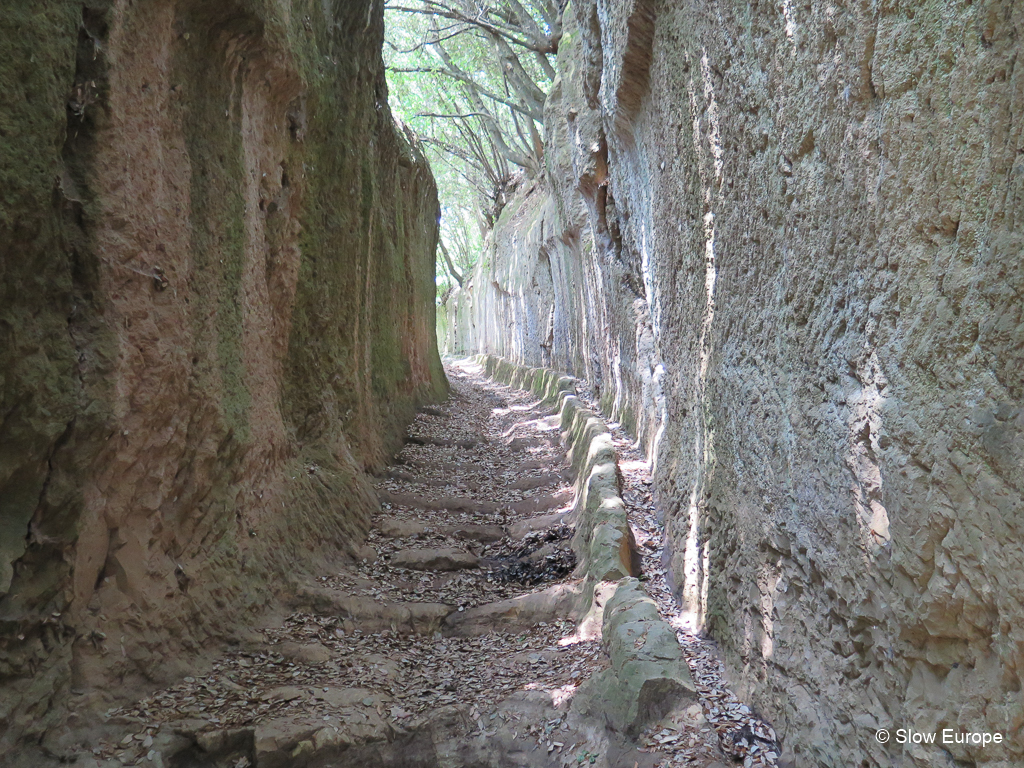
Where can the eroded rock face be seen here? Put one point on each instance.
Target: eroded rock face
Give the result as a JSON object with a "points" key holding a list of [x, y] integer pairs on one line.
{"points": [[782, 242], [217, 311]]}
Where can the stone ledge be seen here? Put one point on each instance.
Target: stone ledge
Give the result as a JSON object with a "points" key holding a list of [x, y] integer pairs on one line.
{"points": [[648, 674]]}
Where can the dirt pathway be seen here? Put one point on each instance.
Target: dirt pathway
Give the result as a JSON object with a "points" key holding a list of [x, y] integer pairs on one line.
{"points": [[448, 643]]}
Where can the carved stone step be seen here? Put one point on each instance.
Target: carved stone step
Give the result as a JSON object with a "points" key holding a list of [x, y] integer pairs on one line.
{"points": [[397, 528], [515, 614], [440, 559], [370, 615]]}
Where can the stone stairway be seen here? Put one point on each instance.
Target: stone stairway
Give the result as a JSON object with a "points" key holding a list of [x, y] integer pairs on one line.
{"points": [[452, 639]]}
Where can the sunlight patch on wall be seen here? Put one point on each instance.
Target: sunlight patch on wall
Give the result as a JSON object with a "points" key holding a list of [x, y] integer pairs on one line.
{"points": [[865, 424], [696, 556], [787, 12]]}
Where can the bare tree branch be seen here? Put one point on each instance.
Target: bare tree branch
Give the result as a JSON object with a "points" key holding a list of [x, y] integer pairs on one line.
{"points": [[490, 124], [462, 116], [516, 36], [448, 261], [533, 114]]}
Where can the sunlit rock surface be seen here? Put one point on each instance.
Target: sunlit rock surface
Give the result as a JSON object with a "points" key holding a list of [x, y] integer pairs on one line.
{"points": [[781, 241]]}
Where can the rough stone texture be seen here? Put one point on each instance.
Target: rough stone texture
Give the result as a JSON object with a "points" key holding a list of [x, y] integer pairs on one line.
{"points": [[781, 242], [370, 614], [440, 559], [216, 310], [514, 613], [648, 675]]}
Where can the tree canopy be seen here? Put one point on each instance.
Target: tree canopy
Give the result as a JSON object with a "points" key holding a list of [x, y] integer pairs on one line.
{"points": [[470, 78]]}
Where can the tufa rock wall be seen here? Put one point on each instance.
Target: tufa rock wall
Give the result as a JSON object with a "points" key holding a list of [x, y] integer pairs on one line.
{"points": [[217, 276], [783, 245]]}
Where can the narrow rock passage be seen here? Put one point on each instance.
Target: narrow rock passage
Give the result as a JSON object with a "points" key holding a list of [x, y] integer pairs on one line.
{"points": [[448, 642]]}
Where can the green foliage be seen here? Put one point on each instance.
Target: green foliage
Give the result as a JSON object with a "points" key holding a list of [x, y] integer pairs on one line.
{"points": [[470, 78]]}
